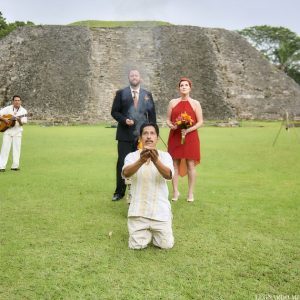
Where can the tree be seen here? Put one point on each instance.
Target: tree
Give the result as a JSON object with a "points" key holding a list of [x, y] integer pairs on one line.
{"points": [[280, 45], [6, 28], [3, 24]]}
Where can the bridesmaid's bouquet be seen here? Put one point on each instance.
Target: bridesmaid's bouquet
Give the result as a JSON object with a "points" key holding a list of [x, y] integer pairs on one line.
{"points": [[184, 121]]}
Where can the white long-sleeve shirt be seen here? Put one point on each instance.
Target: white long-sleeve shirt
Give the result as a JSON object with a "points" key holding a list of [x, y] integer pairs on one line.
{"points": [[10, 110]]}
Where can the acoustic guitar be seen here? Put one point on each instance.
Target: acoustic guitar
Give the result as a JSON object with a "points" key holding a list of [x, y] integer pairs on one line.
{"points": [[11, 122]]}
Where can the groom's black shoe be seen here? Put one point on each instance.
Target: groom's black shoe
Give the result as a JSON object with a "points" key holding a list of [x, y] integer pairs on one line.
{"points": [[117, 197]]}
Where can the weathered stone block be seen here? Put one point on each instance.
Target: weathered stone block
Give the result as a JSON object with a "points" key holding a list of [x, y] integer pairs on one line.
{"points": [[70, 74]]}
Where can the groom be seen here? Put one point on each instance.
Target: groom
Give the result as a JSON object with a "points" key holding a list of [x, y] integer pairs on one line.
{"points": [[132, 107]]}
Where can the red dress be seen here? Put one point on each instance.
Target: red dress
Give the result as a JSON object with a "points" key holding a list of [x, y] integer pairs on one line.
{"points": [[191, 147]]}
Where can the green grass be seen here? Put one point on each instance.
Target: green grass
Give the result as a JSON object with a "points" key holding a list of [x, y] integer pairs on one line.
{"points": [[239, 239], [99, 23]]}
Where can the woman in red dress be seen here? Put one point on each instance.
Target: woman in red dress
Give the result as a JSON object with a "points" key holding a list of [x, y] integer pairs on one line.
{"points": [[186, 155]]}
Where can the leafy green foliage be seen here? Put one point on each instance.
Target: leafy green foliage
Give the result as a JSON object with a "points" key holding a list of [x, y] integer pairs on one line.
{"points": [[280, 45], [3, 24], [99, 23], [6, 28]]}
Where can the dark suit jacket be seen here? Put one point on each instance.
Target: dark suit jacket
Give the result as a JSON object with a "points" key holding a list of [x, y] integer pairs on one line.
{"points": [[123, 108]]}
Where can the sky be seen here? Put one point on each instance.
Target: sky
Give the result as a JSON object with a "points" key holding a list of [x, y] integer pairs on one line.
{"points": [[227, 14]]}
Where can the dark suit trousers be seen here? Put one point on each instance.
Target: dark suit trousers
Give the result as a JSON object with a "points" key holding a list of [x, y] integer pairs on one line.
{"points": [[123, 149]]}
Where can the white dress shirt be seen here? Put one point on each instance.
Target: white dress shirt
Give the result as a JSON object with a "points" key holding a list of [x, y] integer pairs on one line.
{"points": [[149, 190], [137, 92], [10, 110]]}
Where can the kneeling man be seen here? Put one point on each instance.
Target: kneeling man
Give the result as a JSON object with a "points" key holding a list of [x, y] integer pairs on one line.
{"points": [[149, 214]]}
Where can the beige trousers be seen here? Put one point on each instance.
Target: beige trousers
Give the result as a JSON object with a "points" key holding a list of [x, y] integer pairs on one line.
{"points": [[143, 230], [15, 140]]}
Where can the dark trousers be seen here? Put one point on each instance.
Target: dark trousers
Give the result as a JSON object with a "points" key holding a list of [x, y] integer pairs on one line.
{"points": [[123, 149]]}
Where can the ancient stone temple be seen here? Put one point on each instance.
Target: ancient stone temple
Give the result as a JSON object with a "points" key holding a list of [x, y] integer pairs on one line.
{"points": [[71, 74]]}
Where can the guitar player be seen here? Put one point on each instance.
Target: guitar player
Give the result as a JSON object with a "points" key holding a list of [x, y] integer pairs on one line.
{"points": [[13, 134]]}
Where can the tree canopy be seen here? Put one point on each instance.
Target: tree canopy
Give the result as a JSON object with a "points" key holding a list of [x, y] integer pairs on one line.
{"points": [[280, 45], [6, 28]]}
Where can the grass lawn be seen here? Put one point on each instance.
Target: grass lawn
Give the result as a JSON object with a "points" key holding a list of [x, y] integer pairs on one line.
{"points": [[238, 240]]}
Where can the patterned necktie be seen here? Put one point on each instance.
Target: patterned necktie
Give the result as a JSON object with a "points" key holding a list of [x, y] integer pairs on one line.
{"points": [[135, 99]]}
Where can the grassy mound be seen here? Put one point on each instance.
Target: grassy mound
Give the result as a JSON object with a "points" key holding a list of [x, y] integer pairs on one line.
{"points": [[99, 23]]}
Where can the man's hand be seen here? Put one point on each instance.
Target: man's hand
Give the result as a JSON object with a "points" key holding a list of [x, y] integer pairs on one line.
{"points": [[154, 155], [129, 122], [145, 155]]}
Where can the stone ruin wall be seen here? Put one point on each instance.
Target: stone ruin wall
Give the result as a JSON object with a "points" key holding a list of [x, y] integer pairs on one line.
{"points": [[70, 74]]}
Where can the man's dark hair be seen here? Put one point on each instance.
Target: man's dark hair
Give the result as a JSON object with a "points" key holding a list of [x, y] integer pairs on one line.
{"points": [[15, 96], [149, 124]]}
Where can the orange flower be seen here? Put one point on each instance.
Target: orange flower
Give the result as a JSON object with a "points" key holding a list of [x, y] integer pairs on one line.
{"points": [[184, 121]]}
